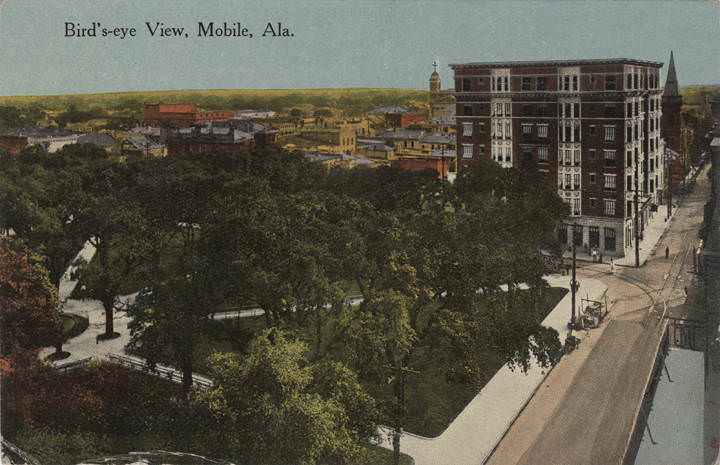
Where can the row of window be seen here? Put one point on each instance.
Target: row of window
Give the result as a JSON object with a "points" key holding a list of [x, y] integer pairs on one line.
{"points": [[501, 129], [502, 153], [575, 206], [499, 107], [636, 79], [629, 154], [634, 133], [542, 154], [566, 157], [542, 130], [500, 83], [568, 133], [566, 110], [569, 157], [571, 181], [468, 150], [566, 82], [635, 108]]}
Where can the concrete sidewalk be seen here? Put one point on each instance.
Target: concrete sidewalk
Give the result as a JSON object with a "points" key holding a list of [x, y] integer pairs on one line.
{"points": [[654, 231], [475, 432], [586, 410], [86, 344], [656, 228]]}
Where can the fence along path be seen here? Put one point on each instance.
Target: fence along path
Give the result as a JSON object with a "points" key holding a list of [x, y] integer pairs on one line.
{"points": [[161, 371]]}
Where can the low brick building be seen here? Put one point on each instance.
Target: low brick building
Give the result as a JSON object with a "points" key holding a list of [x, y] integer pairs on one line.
{"points": [[178, 115], [13, 144], [225, 135], [403, 120], [170, 115], [437, 164]]}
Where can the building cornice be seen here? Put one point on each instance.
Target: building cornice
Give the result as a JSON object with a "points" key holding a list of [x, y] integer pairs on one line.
{"points": [[557, 94], [540, 64]]}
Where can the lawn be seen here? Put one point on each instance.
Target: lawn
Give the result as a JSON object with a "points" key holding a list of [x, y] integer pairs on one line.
{"points": [[73, 325], [434, 395]]}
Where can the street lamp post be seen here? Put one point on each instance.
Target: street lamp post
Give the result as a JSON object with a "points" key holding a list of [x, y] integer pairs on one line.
{"points": [[668, 188], [442, 162], [573, 282], [636, 228]]}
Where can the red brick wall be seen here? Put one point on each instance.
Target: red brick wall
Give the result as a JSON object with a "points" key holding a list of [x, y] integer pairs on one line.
{"points": [[169, 115], [670, 126], [403, 120], [419, 164], [13, 144], [189, 146], [218, 115]]}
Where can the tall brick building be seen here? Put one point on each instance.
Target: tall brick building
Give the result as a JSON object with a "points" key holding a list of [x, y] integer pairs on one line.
{"points": [[592, 125]]}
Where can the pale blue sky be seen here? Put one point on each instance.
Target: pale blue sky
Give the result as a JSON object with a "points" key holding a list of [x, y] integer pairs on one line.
{"points": [[338, 43]]}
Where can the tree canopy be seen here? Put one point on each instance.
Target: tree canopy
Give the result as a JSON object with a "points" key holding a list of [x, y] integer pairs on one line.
{"points": [[439, 268]]}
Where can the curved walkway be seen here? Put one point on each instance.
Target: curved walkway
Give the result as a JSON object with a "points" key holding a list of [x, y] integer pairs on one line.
{"points": [[86, 347]]}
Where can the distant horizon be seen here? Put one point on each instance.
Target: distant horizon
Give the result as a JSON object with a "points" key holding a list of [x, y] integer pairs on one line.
{"points": [[690, 86]]}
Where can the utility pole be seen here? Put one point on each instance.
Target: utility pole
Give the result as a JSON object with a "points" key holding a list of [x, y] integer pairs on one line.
{"points": [[668, 188], [637, 228], [573, 283], [442, 161]]}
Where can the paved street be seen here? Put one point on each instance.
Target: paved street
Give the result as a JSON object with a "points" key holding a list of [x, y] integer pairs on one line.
{"points": [[584, 413]]}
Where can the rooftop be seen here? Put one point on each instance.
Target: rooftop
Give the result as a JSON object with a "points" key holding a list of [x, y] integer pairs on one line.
{"points": [[101, 139], [228, 130], [143, 143], [521, 64], [40, 131], [377, 148], [438, 139], [387, 109], [402, 134]]}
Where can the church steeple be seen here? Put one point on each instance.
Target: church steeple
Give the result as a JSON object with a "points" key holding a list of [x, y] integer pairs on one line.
{"points": [[435, 79], [671, 121], [671, 84]]}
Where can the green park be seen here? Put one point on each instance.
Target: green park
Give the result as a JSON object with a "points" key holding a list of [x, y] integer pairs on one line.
{"points": [[446, 280]]}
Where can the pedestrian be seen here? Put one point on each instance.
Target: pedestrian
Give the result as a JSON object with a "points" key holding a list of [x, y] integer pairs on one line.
{"points": [[667, 251], [612, 266], [601, 257]]}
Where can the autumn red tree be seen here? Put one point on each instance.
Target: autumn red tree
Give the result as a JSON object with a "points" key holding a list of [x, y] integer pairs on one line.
{"points": [[29, 320], [32, 391], [28, 304]]}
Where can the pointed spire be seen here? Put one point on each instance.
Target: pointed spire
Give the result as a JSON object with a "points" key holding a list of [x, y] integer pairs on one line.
{"points": [[671, 84]]}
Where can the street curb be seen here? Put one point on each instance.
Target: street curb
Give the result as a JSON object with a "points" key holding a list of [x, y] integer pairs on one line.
{"points": [[648, 381], [527, 401]]}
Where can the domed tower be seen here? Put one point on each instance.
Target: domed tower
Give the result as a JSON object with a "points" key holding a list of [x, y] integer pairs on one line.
{"points": [[671, 124], [435, 80]]}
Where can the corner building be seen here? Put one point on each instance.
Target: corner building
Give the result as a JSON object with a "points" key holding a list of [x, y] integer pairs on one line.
{"points": [[592, 125]]}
